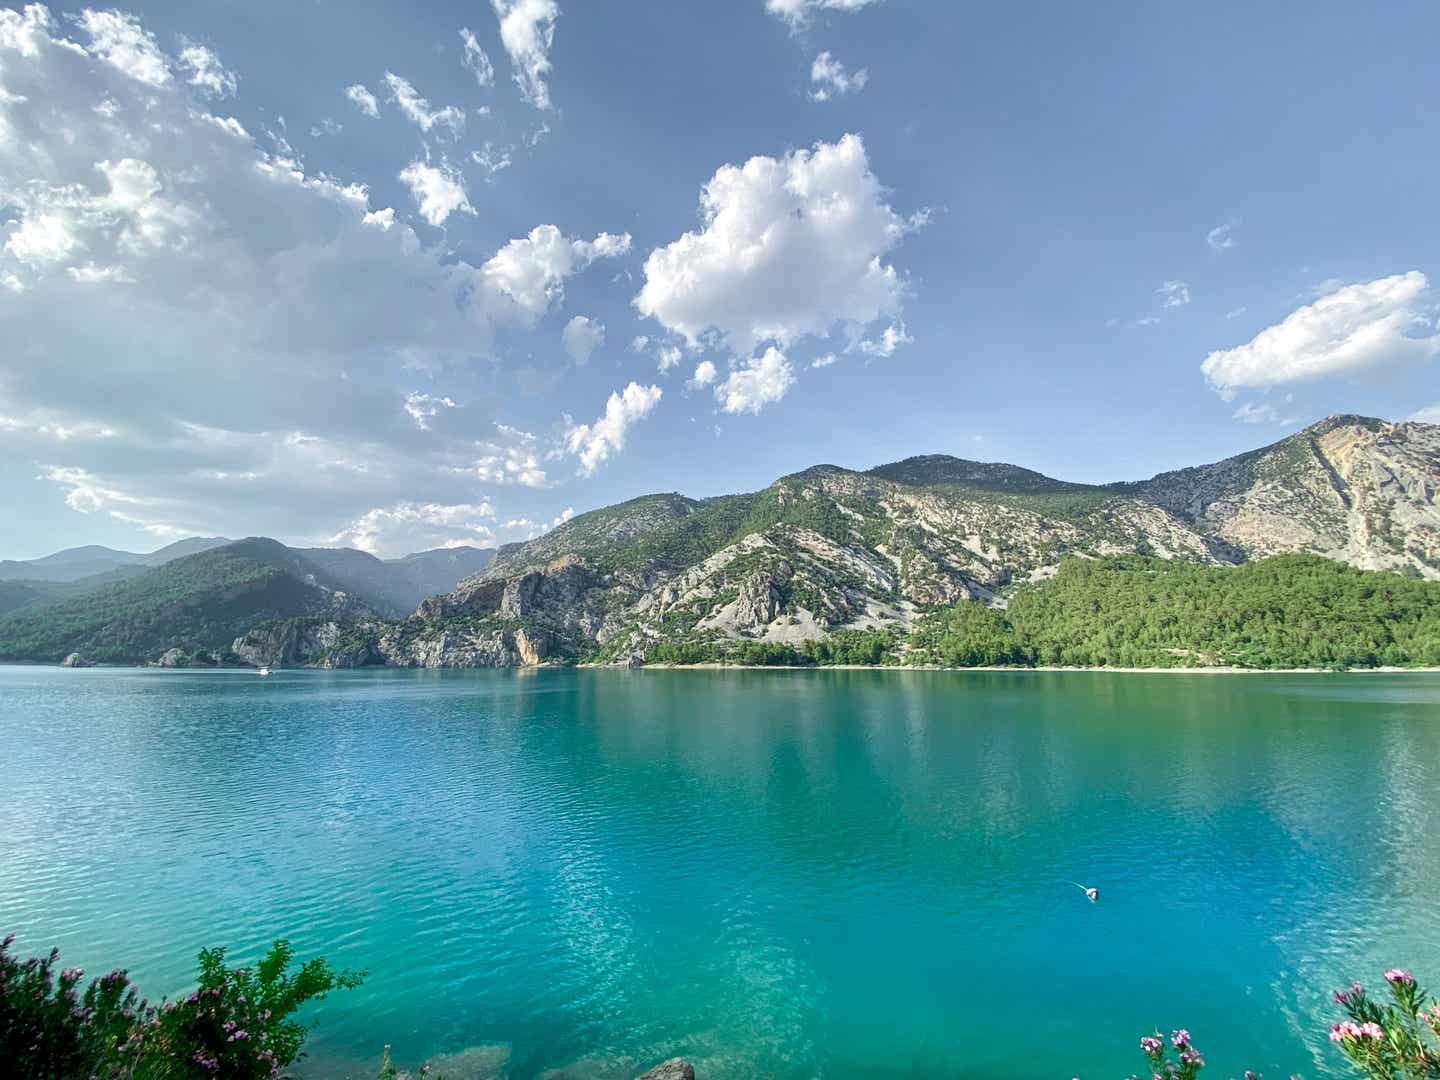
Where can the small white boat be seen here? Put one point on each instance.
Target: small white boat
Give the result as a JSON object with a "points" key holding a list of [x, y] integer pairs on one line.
{"points": [[264, 670]]}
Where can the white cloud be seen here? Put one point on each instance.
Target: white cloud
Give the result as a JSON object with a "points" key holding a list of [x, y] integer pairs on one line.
{"points": [[410, 526], [256, 379], [581, 337], [1362, 327], [418, 111], [823, 361], [530, 272], [639, 343], [119, 39], [893, 337], [594, 443], [91, 274], [667, 357], [831, 78], [705, 374], [363, 100], [439, 190], [1176, 293], [1428, 415], [206, 71], [422, 408], [1220, 238], [789, 247], [798, 13], [527, 30], [1235, 313], [327, 126], [756, 382], [476, 59], [1251, 413]]}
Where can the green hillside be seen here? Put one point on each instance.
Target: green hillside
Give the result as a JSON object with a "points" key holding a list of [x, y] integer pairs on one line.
{"points": [[198, 602], [1287, 611]]}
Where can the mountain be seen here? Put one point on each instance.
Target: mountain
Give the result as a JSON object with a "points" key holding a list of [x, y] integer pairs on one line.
{"points": [[74, 564], [194, 604], [830, 553], [205, 600]]}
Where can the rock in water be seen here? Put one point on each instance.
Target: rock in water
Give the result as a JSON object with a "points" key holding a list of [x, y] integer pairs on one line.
{"points": [[75, 660], [674, 1069]]}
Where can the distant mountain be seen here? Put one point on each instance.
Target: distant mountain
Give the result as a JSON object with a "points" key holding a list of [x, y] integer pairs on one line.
{"points": [[83, 562], [194, 604], [396, 587], [203, 601], [829, 551], [440, 570]]}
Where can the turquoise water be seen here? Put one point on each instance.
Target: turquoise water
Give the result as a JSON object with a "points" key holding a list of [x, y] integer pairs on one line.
{"points": [[781, 874]]}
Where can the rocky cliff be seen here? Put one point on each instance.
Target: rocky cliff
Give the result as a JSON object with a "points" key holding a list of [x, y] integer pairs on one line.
{"points": [[830, 550]]}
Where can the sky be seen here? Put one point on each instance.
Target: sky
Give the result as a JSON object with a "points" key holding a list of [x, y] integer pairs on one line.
{"points": [[401, 276]]}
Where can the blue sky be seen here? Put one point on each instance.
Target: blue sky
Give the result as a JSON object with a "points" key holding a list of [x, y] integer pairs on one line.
{"points": [[1100, 241]]}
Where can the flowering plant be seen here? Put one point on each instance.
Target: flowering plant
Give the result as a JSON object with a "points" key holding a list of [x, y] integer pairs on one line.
{"points": [[1385, 1041]]}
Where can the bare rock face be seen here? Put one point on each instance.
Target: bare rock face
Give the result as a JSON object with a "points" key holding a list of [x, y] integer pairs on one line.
{"points": [[75, 660], [171, 658], [674, 1069]]}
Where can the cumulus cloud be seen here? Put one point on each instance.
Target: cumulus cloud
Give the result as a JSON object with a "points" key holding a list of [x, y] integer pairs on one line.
{"points": [[581, 337], [1221, 237], [756, 382], [594, 443], [667, 357], [120, 40], [476, 59], [418, 110], [1175, 293], [789, 247], [530, 272], [830, 78], [823, 361], [261, 325], [798, 13], [1362, 327], [206, 71], [527, 30], [364, 100], [439, 190], [705, 374], [410, 526]]}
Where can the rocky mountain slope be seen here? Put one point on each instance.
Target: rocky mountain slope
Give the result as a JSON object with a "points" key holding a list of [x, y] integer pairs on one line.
{"points": [[830, 551]]}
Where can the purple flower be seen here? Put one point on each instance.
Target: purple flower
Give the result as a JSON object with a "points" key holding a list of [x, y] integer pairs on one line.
{"points": [[1180, 1039], [1345, 997], [1151, 1044], [1399, 977]]}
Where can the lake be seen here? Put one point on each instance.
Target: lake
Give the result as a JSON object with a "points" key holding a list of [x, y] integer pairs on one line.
{"points": [[780, 874]]}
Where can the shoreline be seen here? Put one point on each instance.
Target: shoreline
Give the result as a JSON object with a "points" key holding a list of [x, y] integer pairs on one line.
{"points": [[715, 665]]}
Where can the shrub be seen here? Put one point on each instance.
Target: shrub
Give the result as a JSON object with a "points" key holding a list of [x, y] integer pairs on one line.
{"points": [[1391, 1040], [238, 1023]]}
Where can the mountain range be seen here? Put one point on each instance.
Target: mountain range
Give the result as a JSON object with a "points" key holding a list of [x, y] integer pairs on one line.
{"points": [[825, 554]]}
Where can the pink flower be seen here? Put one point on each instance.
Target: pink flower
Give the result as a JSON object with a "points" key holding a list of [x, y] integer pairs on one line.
{"points": [[1180, 1039], [1151, 1045], [1372, 1030], [1399, 977]]}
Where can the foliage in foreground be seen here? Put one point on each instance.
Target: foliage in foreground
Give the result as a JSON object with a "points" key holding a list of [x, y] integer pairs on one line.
{"points": [[1134, 611], [237, 1023]]}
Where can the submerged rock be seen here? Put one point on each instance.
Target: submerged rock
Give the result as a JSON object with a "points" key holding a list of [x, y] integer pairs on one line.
{"points": [[674, 1069]]}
